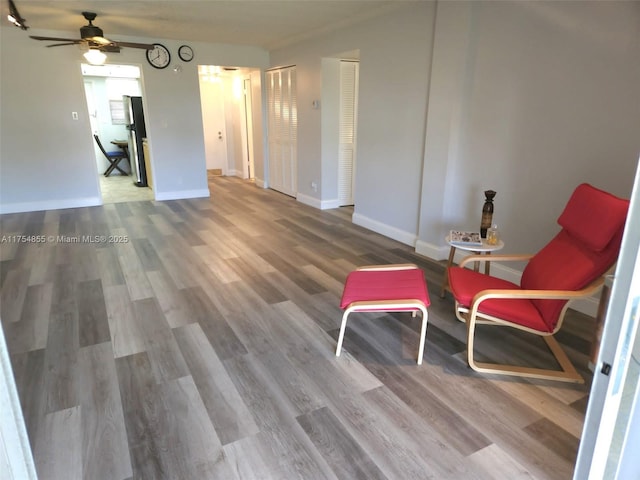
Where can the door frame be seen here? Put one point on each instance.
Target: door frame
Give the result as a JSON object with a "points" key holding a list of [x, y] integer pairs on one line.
{"points": [[604, 413]]}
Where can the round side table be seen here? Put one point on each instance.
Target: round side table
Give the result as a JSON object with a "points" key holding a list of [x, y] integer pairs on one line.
{"points": [[476, 249]]}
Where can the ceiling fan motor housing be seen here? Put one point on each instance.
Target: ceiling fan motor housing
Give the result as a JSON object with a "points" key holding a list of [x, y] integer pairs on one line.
{"points": [[90, 31]]}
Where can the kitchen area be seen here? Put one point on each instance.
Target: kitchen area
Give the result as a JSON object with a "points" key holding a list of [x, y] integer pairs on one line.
{"points": [[114, 101]]}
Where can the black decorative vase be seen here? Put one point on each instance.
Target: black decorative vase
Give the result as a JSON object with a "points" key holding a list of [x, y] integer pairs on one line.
{"points": [[487, 212]]}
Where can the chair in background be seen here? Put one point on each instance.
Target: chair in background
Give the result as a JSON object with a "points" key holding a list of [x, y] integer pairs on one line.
{"points": [[114, 158], [571, 266], [385, 288]]}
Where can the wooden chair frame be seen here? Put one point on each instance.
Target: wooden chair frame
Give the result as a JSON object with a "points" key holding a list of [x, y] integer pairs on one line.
{"points": [[396, 305], [472, 316]]}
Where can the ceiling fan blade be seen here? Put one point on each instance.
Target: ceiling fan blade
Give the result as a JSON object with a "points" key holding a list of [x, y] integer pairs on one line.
{"points": [[146, 46], [113, 48], [54, 39], [92, 36], [63, 44]]}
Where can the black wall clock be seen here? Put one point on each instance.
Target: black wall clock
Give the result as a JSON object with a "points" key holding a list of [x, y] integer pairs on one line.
{"points": [[159, 57], [185, 52]]}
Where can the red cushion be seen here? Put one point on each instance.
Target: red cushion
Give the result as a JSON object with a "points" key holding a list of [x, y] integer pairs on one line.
{"points": [[384, 285], [593, 216], [465, 284], [564, 264]]}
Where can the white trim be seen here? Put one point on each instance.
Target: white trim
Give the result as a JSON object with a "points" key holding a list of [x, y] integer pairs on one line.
{"points": [[182, 194], [261, 183], [383, 229], [308, 200], [329, 204], [232, 172], [50, 205], [432, 251], [320, 204]]}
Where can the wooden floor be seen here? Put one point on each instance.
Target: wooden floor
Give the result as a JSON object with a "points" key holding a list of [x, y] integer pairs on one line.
{"points": [[198, 343]]}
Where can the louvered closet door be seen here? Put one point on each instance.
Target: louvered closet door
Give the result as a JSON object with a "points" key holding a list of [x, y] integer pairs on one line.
{"points": [[283, 130], [348, 123]]}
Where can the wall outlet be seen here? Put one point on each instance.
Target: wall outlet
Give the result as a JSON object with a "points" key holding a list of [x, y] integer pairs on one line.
{"points": [[314, 186]]}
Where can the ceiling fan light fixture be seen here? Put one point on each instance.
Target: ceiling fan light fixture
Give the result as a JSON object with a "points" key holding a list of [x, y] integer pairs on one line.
{"points": [[95, 57]]}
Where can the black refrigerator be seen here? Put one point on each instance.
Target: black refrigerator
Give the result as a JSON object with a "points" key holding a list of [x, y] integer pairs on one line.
{"points": [[134, 118]]}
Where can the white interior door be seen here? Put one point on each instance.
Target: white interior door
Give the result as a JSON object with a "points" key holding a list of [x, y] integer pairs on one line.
{"points": [[349, 76], [282, 118], [213, 124]]}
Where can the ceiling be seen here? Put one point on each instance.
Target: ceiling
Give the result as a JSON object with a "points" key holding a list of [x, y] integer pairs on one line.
{"points": [[264, 23]]}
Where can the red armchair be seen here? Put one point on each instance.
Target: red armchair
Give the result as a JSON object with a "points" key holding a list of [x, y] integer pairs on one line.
{"points": [[572, 265]]}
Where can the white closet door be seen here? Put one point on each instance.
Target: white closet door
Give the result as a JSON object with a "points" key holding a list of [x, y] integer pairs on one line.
{"points": [[283, 130], [348, 123]]}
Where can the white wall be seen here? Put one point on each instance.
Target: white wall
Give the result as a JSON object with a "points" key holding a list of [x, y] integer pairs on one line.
{"points": [[395, 55], [528, 99], [43, 152], [525, 98]]}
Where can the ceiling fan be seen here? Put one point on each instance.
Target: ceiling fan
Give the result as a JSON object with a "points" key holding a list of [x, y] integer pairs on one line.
{"points": [[92, 36]]}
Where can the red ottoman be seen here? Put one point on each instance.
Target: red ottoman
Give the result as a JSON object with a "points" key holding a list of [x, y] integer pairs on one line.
{"points": [[385, 288]]}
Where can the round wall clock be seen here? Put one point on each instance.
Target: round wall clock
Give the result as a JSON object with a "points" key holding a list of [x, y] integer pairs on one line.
{"points": [[159, 57], [185, 52]]}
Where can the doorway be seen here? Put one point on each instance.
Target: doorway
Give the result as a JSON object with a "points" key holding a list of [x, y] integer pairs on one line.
{"points": [[105, 88], [227, 103], [339, 127]]}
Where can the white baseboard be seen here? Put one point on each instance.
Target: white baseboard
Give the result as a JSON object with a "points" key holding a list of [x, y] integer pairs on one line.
{"points": [[432, 251], [261, 183], [316, 203], [308, 200], [50, 205], [328, 204], [386, 230], [182, 194]]}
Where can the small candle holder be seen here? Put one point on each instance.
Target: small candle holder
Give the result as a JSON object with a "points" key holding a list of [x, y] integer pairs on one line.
{"points": [[493, 235]]}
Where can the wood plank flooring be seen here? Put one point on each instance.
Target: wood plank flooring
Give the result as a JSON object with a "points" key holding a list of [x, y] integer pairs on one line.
{"points": [[201, 346]]}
